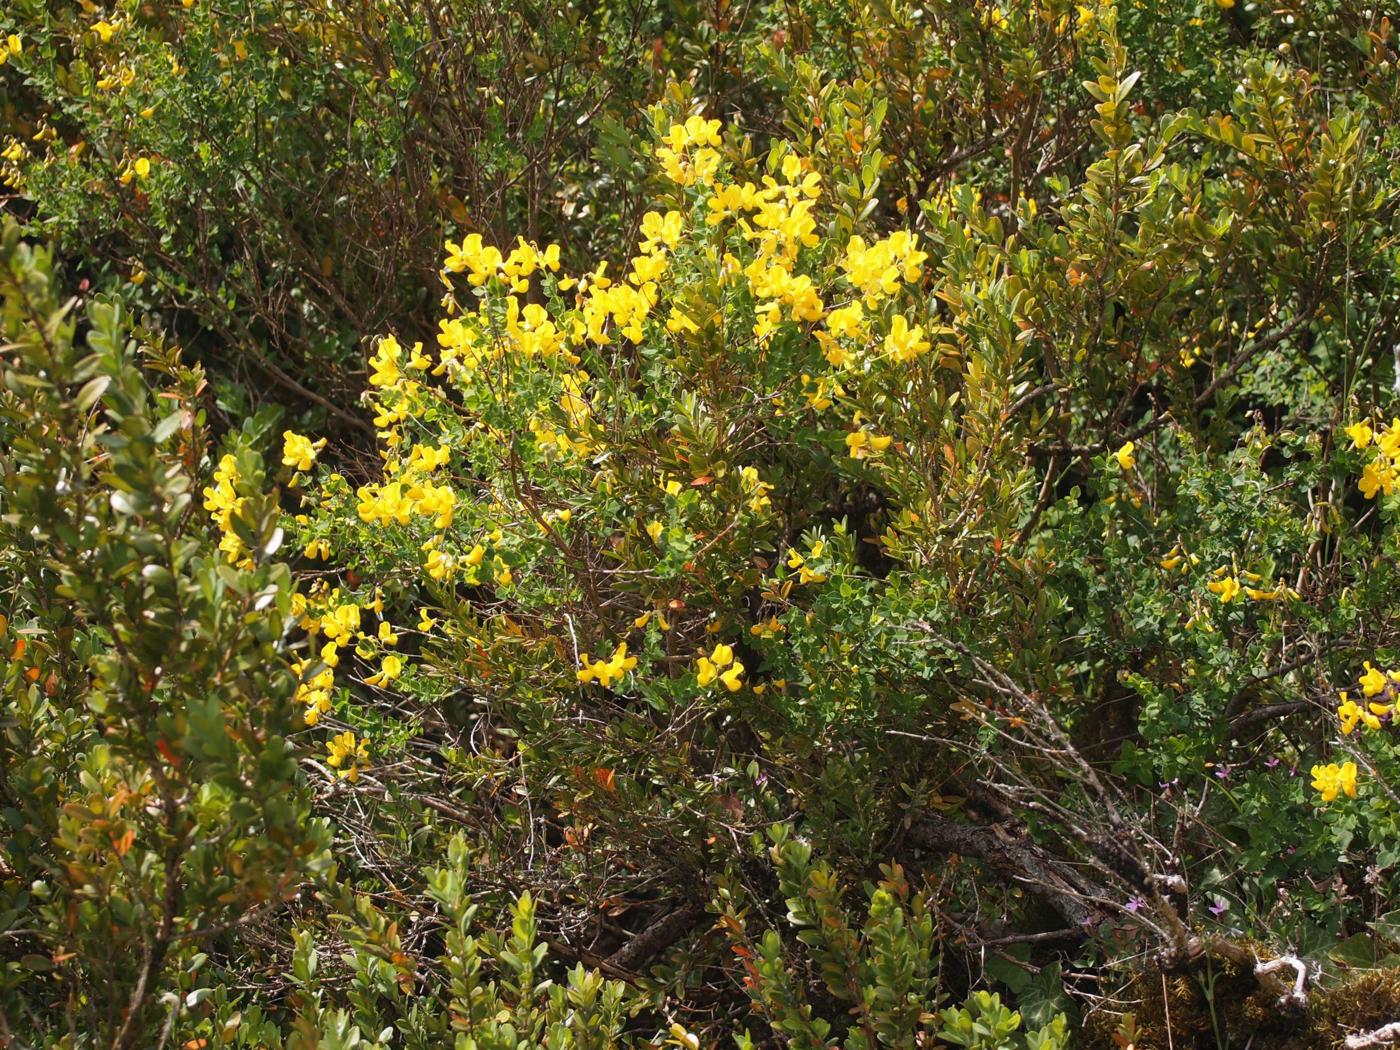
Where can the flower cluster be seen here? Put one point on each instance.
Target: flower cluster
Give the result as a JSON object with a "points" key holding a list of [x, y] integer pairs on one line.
{"points": [[802, 563], [1382, 472], [387, 365], [298, 451], [690, 153], [1333, 779], [863, 443], [1225, 586], [481, 262], [876, 271], [721, 665], [390, 667], [606, 672], [314, 693], [1179, 560], [399, 501], [1228, 585], [347, 755], [1379, 691], [223, 503]]}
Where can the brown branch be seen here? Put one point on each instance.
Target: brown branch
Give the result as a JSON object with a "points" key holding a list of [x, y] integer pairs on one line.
{"points": [[1015, 858], [1267, 713], [656, 938]]}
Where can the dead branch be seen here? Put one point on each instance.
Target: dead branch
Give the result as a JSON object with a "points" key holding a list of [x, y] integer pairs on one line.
{"points": [[1384, 1036]]}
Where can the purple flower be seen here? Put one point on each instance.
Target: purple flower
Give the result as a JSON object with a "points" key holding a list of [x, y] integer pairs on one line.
{"points": [[1218, 907], [1272, 762], [1222, 772], [1135, 904]]}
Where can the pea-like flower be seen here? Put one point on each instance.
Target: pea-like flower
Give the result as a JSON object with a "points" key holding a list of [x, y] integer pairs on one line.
{"points": [[1373, 681], [720, 665], [1228, 588], [1331, 780], [606, 672], [1350, 713], [389, 669], [1360, 434], [299, 451], [347, 755]]}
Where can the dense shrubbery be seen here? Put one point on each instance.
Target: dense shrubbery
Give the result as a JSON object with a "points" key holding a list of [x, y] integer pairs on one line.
{"points": [[840, 525]]}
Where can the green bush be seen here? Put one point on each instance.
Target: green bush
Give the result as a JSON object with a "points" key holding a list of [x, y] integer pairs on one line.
{"points": [[948, 441]]}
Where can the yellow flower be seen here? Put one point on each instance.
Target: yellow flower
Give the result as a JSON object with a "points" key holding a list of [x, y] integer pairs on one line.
{"points": [[863, 443], [654, 530], [720, 665], [347, 755], [678, 163], [389, 669], [223, 503], [705, 671], [439, 565], [877, 270], [905, 342], [482, 260], [1360, 434], [14, 44], [606, 672], [1349, 712], [299, 451], [1125, 456], [384, 364], [805, 575], [733, 678], [426, 621], [658, 229], [341, 623], [315, 693], [1333, 779], [1377, 476], [1388, 440], [1373, 681], [386, 633], [1228, 588]]}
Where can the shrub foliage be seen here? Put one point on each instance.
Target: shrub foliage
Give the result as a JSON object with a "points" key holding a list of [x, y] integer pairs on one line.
{"points": [[616, 524]]}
